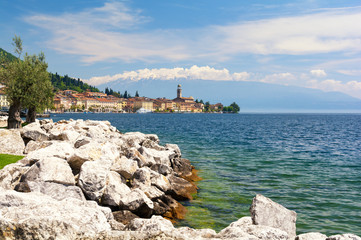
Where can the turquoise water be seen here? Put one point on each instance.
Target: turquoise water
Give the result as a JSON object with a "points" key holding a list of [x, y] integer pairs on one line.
{"points": [[310, 163]]}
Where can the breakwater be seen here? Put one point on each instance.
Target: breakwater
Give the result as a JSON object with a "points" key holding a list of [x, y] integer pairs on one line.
{"points": [[68, 147]]}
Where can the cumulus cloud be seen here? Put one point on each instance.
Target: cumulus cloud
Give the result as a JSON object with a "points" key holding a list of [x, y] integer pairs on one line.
{"points": [[352, 88], [318, 73], [113, 32], [194, 72]]}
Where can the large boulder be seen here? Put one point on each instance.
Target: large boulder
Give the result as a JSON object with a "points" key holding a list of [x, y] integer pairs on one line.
{"points": [[33, 131], [56, 149], [56, 190], [37, 216], [52, 169], [344, 237], [10, 175], [268, 213], [11, 142], [244, 229], [181, 189], [35, 145], [311, 236], [93, 179], [115, 190], [125, 167], [137, 202], [155, 224]]}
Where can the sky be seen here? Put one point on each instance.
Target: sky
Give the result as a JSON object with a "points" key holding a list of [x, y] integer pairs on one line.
{"points": [[310, 43]]}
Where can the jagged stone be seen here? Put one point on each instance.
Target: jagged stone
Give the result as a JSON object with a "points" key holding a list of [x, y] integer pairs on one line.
{"points": [[148, 143], [66, 135], [124, 216], [174, 148], [244, 229], [50, 170], [56, 149], [162, 169], [33, 131], [125, 167], [34, 145], [311, 236], [115, 190], [347, 236], [92, 179], [137, 202], [182, 167], [155, 224], [268, 213], [56, 190], [10, 175], [181, 189], [37, 216], [11, 142]]}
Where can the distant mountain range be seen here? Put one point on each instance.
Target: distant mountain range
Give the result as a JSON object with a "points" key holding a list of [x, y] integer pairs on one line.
{"points": [[250, 96]]}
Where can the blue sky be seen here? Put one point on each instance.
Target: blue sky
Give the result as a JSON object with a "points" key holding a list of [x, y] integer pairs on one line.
{"points": [[313, 44]]}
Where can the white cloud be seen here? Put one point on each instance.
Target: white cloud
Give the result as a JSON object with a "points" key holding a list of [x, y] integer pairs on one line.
{"points": [[350, 72], [113, 32], [318, 73], [352, 88], [194, 72], [280, 78]]}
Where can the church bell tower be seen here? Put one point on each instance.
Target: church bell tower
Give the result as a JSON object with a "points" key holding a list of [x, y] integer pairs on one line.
{"points": [[179, 91]]}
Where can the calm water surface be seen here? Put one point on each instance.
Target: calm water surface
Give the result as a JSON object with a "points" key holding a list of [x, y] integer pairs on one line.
{"points": [[310, 163]]}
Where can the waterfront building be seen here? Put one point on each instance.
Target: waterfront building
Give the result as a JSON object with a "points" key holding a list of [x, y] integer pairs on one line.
{"points": [[185, 104], [143, 102]]}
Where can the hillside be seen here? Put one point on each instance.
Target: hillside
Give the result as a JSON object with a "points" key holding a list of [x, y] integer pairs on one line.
{"points": [[59, 82]]}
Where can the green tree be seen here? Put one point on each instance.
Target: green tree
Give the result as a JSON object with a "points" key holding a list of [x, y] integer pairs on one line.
{"points": [[40, 92], [207, 107], [235, 107], [137, 94], [27, 84]]}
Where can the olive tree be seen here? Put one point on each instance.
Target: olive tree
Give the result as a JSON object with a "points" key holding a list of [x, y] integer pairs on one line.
{"points": [[27, 84]]}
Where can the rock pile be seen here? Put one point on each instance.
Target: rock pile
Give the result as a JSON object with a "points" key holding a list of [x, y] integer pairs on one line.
{"points": [[86, 180]]}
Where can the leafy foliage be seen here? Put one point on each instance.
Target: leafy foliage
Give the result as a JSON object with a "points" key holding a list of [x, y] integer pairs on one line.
{"points": [[66, 82]]}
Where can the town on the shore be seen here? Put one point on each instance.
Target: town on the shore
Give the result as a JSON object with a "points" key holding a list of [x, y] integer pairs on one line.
{"points": [[73, 101]]}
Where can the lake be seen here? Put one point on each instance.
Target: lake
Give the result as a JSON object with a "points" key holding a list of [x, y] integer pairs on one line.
{"points": [[310, 163]]}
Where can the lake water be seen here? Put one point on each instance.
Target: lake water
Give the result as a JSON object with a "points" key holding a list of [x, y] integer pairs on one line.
{"points": [[310, 163]]}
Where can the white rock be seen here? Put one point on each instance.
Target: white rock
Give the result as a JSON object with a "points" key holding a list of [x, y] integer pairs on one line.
{"points": [[160, 157], [268, 213], [155, 224], [37, 216], [56, 190], [93, 179], [115, 190], [11, 174], [35, 145], [66, 135], [56, 149], [174, 148], [11, 142], [311, 236], [125, 167], [34, 132], [347, 236], [244, 229], [137, 199], [50, 169]]}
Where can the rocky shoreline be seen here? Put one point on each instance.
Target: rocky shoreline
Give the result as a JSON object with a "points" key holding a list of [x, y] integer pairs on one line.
{"points": [[86, 180]]}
